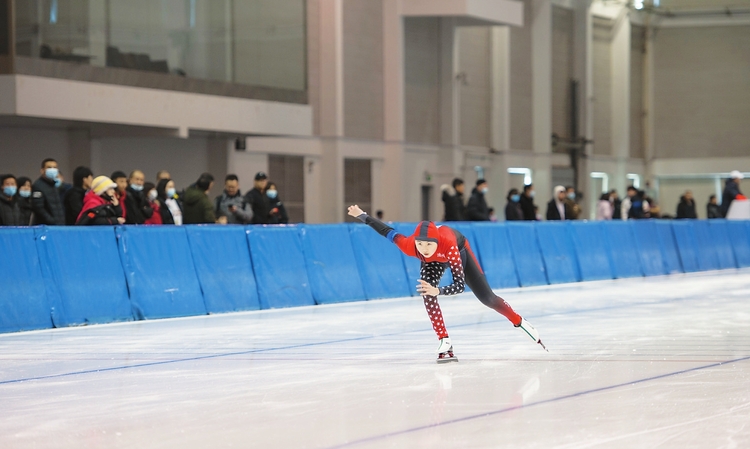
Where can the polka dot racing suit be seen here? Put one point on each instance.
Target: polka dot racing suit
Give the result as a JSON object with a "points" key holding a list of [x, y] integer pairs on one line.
{"points": [[453, 252]]}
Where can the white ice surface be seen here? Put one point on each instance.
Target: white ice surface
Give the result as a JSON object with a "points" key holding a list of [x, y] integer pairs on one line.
{"points": [[640, 363]]}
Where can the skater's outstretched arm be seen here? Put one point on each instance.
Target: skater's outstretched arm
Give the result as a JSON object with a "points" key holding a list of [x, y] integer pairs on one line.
{"points": [[382, 228]]}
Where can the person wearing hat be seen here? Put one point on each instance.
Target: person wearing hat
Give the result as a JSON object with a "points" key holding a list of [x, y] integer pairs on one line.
{"points": [[258, 200], [100, 204], [477, 209], [438, 248], [731, 191]]}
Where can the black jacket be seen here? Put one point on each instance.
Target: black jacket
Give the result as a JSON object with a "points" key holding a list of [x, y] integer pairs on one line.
{"points": [[137, 208], [527, 207], [46, 203], [166, 214], [106, 214], [260, 204], [513, 211], [553, 213], [686, 209], [636, 207], [617, 209], [477, 209], [278, 213], [454, 204], [731, 190], [713, 211], [10, 213], [24, 204], [73, 204]]}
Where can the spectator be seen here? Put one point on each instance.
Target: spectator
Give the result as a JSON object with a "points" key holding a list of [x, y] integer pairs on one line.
{"points": [[633, 206], [149, 191], [686, 208], [477, 209], [731, 190], [100, 204], [62, 187], [24, 200], [162, 174], [453, 200], [258, 200], [198, 207], [170, 208], [513, 210], [73, 201], [278, 213], [528, 207], [604, 209], [10, 212], [572, 209], [231, 204], [556, 206], [137, 208], [713, 210], [379, 214], [537, 215], [121, 179], [616, 205], [45, 198], [493, 216]]}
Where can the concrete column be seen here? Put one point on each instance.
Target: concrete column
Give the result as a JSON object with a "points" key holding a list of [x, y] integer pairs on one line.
{"points": [[500, 82], [620, 93], [331, 71], [449, 108], [583, 70], [648, 100], [541, 65]]}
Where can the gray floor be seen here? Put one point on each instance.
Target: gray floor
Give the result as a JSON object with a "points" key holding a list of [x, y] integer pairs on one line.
{"points": [[656, 362]]}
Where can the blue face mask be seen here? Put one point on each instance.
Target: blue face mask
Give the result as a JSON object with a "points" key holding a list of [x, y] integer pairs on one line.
{"points": [[171, 193], [25, 193], [51, 173], [571, 196], [515, 198], [9, 190], [136, 187], [484, 190], [272, 193], [58, 183]]}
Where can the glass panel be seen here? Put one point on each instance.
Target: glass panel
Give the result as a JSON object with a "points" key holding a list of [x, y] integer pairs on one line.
{"points": [[255, 42]]}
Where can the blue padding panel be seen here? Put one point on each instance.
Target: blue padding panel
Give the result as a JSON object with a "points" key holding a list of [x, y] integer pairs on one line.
{"points": [[592, 250], [83, 274], [684, 235], [380, 264], [526, 254], [331, 265], [719, 233], [558, 252], [739, 237], [649, 250], [23, 300], [497, 261], [279, 265], [160, 272], [708, 258], [412, 264], [622, 249], [225, 272], [668, 246]]}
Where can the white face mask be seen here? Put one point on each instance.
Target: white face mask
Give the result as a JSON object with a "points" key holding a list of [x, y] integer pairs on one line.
{"points": [[152, 195]]}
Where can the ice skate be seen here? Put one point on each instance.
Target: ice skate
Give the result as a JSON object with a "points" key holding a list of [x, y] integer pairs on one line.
{"points": [[445, 351], [531, 331]]}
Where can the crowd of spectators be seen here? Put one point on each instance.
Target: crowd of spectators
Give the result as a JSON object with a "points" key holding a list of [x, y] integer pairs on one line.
{"points": [[130, 199], [637, 204]]}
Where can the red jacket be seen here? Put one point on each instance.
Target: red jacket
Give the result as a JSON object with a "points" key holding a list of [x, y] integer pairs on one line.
{"points": [[156, 217]]}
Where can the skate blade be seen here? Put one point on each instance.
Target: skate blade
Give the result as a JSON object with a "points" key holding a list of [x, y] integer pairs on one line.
{"points": [[544, 347], [447, 360]]}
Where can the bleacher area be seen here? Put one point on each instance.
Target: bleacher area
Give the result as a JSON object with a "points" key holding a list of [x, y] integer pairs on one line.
{"points": [[69, 276]]}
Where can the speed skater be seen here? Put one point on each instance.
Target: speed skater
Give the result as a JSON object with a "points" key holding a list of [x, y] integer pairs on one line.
{"points": [[439, 247]]}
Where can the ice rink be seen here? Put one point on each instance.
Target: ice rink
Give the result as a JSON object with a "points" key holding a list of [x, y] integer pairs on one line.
{"points": [[661, 362]]}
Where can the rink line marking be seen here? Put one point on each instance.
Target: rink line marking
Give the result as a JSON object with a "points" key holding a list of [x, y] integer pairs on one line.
{"points": [[532, 404], [346, 340]]}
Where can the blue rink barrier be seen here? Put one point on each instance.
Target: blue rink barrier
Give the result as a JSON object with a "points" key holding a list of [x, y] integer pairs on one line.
{"points": [[622, 249], [331, 264], [526, 254], [684, 235], [738, 233], [717, 230], [558, 252], [83, 275], [380, 264], [649, 250], [225, 271], [279, 265], [496, 255], [709, 258], [160, 273], [668, 246], [23, 300], [592, 250]]}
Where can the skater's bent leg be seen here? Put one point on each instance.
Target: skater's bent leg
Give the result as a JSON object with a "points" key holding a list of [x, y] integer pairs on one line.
{"points": [[476, 279], [431, 273]]}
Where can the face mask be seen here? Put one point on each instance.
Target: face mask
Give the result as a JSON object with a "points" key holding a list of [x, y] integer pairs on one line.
{"points": [[136, 187], [58, 183], [571, 196], [152, 195], [51, 173], [272, 193], [10, 190], [171, 193], [532, 194], [515, 198], [25, 193], [484, 190]]}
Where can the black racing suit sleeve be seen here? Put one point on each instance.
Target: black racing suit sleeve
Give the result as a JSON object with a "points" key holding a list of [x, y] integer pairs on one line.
{"points": [[381, 228]]}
